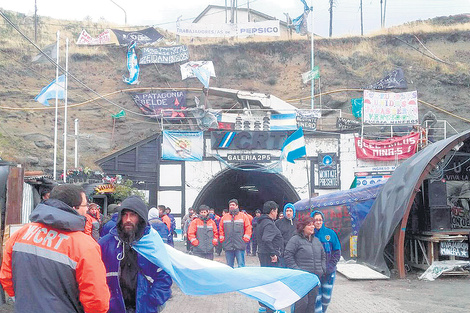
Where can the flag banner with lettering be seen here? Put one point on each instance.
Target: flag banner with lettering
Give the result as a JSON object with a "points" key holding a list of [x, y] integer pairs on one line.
{"points": [[393, 80], [263, 28], [283, 121], [275, 287], [187, 68], [307, 119], [50, 50], [51, 90], [356, 107], [132, 66], [312, 74], [347, 124], [170, 104], [382, 108], [395, 148], [86, 39], [164, 55], [327, 171], [182, 146], [141, 37]]}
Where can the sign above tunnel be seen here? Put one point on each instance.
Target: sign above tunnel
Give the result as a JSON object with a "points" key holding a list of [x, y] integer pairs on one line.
{"points": [[248, 140]]}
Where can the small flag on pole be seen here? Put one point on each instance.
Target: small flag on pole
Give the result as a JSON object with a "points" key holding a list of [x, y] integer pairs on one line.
{"points": [[313, 74], [118, 115], [50, 91], [294, 146]]}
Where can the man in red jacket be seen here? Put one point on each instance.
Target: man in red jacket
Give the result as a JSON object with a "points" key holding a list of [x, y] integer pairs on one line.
{"points": [[203, 234], [234, 233], [57, 267]]}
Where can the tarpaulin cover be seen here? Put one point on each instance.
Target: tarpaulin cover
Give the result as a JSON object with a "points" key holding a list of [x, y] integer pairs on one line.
{"points": [[344, 211], [392, 202]]}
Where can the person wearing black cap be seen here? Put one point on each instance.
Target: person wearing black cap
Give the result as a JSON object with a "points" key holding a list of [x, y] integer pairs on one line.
{"points": [[234, 233], [136, 284]]}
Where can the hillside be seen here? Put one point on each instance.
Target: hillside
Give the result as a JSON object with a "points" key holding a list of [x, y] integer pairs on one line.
{"points": [[274, 67]]}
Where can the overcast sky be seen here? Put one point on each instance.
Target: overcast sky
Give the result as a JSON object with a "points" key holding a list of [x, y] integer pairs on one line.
{"points": [[346, 19]]}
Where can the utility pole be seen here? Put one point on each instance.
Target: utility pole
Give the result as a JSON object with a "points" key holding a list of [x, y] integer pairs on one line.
{"points": [[331, 17], [125, 14], [381, 14], [362, 21], [35, 21], [248, 8], [385, 11]]}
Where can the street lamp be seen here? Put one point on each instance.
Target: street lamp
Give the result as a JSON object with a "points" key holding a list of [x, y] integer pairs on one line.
{"points": [[125, 14]]}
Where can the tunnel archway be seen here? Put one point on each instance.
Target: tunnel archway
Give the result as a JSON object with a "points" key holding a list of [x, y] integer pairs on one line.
{"points": [[252, 188]]}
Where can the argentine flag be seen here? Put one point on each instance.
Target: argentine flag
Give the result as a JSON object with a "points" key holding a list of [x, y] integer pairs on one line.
{"points": [[276, 287], [294, 146], [50, 90]]}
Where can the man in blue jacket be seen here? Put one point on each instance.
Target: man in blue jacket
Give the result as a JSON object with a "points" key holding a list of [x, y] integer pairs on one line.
{"points": [[136, 285], [332, 248]]}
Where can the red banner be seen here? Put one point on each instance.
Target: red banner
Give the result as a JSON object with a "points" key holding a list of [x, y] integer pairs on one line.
{"points": [[387, 150]]}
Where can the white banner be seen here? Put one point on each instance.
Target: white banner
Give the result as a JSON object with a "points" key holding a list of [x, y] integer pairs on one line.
{"points": [[86, 39], [265, 28], [184, 146], [390, 108], [187, 68]]}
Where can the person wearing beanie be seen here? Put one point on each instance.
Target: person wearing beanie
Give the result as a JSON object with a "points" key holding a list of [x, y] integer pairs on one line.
{"points": [[164, 217], [156, 222], [203, 234], [332, 247], [136, 284], [234, 233], [287, 226]]}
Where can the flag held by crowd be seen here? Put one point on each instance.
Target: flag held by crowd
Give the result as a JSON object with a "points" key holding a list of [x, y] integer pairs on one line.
{"points": [[276, 287], [132, 65], [50, 91], [294, 146]]}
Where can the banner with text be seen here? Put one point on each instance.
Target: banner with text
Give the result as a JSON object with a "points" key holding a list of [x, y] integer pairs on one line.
{"points": [[264, 28], [387, 150], [390, 108], [164, 55], [328, 170], [171, 102], [188, 72], [182, 146], [141, 37], [87, 40]]}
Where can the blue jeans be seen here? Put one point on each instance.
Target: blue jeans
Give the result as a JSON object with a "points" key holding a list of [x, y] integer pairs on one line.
{"points": [[232, 254]]}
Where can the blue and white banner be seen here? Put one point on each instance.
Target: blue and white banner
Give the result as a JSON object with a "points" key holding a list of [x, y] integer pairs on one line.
{"points": [[187, 69], [164, 55], [283, 121], [50, 91], [294, 146], [203, 75], [132, 65], [276, 287], [182, 146]]}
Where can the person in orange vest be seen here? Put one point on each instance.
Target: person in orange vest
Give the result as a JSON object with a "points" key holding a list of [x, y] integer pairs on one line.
{"points": [[203, 234], [93, 221], [165, 219], [234, 233]]}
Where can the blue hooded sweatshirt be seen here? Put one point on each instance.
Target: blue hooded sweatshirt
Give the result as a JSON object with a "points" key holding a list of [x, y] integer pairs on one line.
{"points": [[330, 243]]}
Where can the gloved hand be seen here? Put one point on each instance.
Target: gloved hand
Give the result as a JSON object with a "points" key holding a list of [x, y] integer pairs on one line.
{"points": [[215, 242], [195, 243]]}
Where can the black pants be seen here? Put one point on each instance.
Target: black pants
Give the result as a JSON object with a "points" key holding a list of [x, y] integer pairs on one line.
{"points": [[209, 255], [265, 260], [307, 303]]}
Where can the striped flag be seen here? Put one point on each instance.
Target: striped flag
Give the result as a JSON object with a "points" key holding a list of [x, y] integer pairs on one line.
{"points": [[50, 91], [294, 146], [275, 287]]}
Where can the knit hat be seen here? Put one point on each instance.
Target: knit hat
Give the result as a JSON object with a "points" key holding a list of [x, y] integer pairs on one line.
{"points": [[112, 208], [234, 201], [153, 213], [135, 204]]}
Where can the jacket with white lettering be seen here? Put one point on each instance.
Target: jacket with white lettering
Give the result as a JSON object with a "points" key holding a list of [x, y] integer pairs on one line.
{"points": [[234, 231], [50, 265], [153, 284], [203, 235]]}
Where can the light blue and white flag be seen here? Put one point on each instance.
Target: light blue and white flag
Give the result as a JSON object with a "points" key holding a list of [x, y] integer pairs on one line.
{"points": [[286, 121], [182, 146], [294, 146], [50, 91], [203, 75], [276, 287], [132, 65]]}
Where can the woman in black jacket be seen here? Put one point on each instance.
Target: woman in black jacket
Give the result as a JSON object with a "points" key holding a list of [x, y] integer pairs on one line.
{"points": [[305, 252]]}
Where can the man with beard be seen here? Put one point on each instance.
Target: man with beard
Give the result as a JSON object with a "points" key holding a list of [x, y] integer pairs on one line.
{"points": [[136, 284], [234, 233], [203, 234]]}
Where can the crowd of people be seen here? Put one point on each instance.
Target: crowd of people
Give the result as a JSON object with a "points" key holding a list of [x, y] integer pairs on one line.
{"points": [[71, 258]]}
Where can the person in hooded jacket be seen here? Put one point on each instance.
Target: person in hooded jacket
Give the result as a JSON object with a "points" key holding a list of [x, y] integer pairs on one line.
{"points": [[332, 247], [305, 252], [50, 264], [110, 220], [203, 234], [136, 284], [287, 226]]}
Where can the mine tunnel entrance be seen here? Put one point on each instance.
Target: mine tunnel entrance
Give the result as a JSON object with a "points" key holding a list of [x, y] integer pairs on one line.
{"points": [[251, 187]]}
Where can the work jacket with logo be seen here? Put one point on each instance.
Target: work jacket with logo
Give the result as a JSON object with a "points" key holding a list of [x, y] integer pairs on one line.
{"points": [[203, 235], [51, 265], [234, 231]]}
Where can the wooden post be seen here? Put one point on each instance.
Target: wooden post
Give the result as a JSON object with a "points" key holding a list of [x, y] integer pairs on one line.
{"points": [[14, 196]]}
